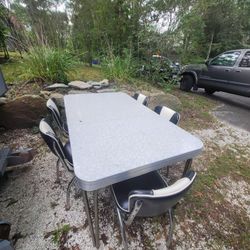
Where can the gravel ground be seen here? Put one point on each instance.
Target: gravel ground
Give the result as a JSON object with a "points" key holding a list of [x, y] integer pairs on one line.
{"points": [[35, 204]]}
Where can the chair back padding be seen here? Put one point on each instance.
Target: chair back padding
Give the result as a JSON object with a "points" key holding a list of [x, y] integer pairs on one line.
{"points": [[53, 109], [141, 98], [170, 114], [156, 202], [51, 139]]}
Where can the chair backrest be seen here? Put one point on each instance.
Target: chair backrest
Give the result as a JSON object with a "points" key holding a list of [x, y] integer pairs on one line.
{"points": [[170, 114], [141, 98], [51, 139], [156, 202], [53, 109]]}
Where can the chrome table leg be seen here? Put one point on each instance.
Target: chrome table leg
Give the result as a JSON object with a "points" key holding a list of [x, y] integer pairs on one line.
{"points": [[96, 219], [87, 210], [187, 166]]}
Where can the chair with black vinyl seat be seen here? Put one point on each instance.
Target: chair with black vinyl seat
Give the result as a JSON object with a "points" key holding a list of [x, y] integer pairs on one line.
{"points": [[63, 152], [170, 114], [147, 196], [141, 98], [54, 111]]}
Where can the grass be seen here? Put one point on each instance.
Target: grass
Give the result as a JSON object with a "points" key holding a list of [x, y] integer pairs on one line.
{"points": [[60, 233], [222, 222], [13, 72], [86, 73], [195, 110]]}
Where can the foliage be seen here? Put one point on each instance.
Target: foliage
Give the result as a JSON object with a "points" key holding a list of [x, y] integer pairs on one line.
{"points": [[120, 68], [184, 31], [48, 64], [58, 233]]}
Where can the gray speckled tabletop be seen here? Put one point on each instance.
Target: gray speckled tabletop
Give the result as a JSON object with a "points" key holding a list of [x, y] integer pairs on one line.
{"points": [[114, 138]]}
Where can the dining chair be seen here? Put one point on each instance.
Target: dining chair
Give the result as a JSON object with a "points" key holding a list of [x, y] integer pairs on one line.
{"points": [[141, 98], [54, 111], [170, 114], [147, 196], [63, 153]]}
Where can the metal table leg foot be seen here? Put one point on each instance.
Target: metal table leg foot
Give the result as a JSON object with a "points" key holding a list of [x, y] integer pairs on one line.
{"points": [[87, 210]]}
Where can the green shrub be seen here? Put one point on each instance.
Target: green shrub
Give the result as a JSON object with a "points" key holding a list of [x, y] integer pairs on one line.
{"points": [[120, 68], [159, 72], [47, 64]]}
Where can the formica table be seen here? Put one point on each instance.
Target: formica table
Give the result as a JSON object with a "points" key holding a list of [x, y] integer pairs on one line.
{"points": [[114, 138]]}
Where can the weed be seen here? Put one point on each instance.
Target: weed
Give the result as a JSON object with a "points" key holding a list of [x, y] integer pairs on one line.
{"points": [[59, 233]]}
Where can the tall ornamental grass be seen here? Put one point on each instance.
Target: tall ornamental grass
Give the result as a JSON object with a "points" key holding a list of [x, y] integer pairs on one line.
{"points": [[120, 68], [48, 64]]}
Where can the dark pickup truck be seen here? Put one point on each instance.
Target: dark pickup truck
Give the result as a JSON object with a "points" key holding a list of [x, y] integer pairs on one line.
{"points": [[227, 72]]}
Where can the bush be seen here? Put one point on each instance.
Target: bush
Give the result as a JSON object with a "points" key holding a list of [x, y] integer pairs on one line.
{"points": [[119, 68], [159, 72], [47, 64]]}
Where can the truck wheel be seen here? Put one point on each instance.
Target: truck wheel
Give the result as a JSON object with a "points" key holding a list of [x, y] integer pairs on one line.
{"points": [[209, 91], [187, 82]]}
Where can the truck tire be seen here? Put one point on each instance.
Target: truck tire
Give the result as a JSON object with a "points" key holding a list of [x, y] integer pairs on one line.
{"points": [[187, 82], [209, 91]]}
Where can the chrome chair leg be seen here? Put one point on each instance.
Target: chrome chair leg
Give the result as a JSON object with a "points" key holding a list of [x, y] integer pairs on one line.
{"points": [[171, 227], [67, 207], [57, 171], [122, 229]]}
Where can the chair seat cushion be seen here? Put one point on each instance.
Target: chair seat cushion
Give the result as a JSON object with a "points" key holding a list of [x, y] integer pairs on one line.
{"points": [[67, 152], [149, 181]]}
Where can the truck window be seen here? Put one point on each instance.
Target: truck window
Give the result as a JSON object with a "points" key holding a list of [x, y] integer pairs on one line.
{"points": [[226, 59], [245, 61]]}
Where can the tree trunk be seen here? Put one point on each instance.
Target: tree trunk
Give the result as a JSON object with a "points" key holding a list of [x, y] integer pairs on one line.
{"points": [[210, 45]]}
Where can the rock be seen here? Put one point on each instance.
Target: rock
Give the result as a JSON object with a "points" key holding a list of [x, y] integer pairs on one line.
{"points": [[23, 112], [72, 92], [56, 86], [45, 94], [3, 100], [104, 82], [80, 85], [106, 90], [168, 100], [58, 98], [99, 85]]}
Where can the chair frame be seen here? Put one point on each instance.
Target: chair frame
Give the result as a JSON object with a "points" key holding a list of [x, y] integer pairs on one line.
{"points": [[126, 218], [156, 109], [53, 109], [145, 102], [61, 159]]}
